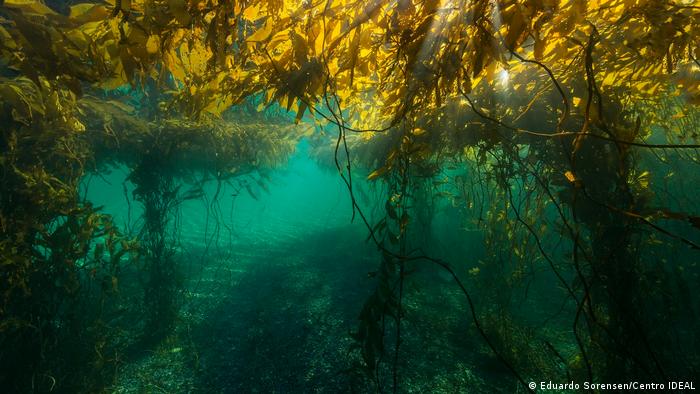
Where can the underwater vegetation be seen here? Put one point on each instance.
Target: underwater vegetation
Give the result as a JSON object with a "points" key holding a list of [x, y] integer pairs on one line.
{"points": [[348, 196]]}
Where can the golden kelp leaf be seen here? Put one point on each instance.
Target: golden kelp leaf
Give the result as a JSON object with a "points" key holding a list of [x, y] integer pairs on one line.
{"points": [[261, 34], [377, 173], [319, 42], [418, 131], [195, 56], [280, 41], [539, 48], [7, 39], [553, 47], [125, 5], [517, 25], [76, 125], [153, 44], [87, 12], [137, 46], [301, 50], [79, 9], [10, 3], [30, 6], [643, 179], [570, 176], [78, 41], [174, 66], [679, 114], [609, 79], [252, 13], [117, 79]]}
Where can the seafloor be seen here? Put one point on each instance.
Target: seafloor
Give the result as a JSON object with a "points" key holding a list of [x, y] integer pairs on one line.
{"points": [[273, 287]]}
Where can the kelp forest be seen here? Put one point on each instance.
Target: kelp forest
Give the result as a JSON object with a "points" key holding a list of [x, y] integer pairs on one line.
{"points": [[331, 196]]}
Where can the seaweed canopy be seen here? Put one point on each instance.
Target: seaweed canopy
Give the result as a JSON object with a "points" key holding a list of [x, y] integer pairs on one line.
{"points": [[216, 147], [529, 116]]}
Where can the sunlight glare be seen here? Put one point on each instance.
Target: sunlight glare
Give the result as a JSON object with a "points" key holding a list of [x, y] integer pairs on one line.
{"points": [[504, 77]]}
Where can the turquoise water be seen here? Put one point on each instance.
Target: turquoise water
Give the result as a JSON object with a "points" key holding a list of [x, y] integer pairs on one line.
{"points": [[265, 282], [257, 209], [273, 282]]}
